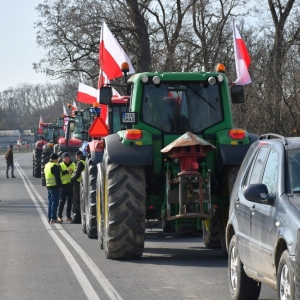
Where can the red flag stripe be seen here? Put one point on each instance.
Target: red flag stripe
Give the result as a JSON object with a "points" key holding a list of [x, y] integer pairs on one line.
{"points": [[243, 52], [85, 98]]}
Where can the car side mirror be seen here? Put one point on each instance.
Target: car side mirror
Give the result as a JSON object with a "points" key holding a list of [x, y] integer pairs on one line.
{"points": [[105, 95], [258, 193], [237, 94]]}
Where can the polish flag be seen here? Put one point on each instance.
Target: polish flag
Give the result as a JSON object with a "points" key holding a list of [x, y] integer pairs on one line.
{"points": [[87, 94], [112, 55], [40, 123], [75, 105], [242, 58], [65, 113]]}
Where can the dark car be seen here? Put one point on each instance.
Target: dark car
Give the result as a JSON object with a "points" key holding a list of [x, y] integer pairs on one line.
{"points": [[264, 218]]}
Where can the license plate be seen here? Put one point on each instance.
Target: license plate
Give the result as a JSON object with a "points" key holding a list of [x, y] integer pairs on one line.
{"points": [[128, 118]]}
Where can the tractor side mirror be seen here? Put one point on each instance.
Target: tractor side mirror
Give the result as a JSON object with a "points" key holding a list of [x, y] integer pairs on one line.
{"points": [[60, 122], [86, 118], [237, 94], [78, 121], [45, 131], [105, 95], [72, 126]]}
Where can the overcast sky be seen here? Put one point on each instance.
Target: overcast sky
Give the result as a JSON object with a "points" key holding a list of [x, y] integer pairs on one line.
{"points": [[17, 41]]}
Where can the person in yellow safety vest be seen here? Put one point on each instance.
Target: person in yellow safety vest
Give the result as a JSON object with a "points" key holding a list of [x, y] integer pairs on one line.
{"points": [[53, 184], [76, 180], [67, 168]]}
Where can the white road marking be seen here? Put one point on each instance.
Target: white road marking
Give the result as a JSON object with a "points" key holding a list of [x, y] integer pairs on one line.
{"points": [[81, 277], [100, 277]]}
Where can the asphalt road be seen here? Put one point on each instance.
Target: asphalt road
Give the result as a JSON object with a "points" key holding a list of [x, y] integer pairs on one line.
{"points": [[49, 262]]}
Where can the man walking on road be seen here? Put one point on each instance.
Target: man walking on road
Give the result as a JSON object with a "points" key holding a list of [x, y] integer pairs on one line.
{"points": [[53, 183], [76, 180], [9, 157], [66, 194]]}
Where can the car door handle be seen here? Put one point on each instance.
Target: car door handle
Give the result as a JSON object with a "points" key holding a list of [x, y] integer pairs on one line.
{"points": [[252, 208]]}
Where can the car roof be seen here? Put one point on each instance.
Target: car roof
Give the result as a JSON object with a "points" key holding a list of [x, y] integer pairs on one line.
{"points": [[289, 143]]}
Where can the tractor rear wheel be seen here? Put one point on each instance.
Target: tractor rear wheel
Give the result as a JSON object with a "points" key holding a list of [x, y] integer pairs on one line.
{"points": [[124, 193], [90, 200], [214, 229], [37, 163], [45, 160]]}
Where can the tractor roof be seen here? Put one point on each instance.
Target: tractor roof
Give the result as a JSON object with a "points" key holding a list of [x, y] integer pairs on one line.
{"points": [[175, 76]]}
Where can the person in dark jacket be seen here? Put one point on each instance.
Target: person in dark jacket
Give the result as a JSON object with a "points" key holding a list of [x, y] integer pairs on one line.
{"points": [[53, 183], [67, 168], [9, 157], [76, 180]]}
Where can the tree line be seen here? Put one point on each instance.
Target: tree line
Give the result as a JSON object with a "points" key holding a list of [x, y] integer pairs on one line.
{"points": [[194, 35]]}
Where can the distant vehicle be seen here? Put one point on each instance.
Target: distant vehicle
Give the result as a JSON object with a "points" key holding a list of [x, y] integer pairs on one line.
{"points": [[264, 217]]}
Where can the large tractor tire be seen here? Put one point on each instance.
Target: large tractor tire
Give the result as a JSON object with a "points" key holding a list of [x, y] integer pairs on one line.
{"points": [[45, 160], [90, 200], [82, 201], [37, 155], [123, 199], [214, 229]]}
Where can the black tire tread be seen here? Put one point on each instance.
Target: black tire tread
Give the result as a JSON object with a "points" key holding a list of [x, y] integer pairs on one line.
{"points": [[126, 193], [37, 155], [90, 207]]}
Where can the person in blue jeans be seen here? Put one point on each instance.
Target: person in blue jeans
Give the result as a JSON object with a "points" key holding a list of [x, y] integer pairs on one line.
{"points": [[53, 184]]}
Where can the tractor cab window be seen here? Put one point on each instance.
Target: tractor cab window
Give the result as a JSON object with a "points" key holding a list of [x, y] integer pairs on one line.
{"points": [[177, 107]]}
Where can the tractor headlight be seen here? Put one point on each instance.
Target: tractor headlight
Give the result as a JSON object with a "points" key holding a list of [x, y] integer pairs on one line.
{"points": [[156, 80], [212, 80], [144, 78]]}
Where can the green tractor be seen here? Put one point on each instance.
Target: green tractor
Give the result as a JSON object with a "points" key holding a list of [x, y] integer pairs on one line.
{"points": [[176, 161]]}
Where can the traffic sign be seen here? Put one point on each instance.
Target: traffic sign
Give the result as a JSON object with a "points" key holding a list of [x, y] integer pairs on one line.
{"points": [[98, 128]]}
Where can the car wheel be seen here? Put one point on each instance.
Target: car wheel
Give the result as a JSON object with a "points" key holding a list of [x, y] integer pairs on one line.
{"points": [[241, 286], [285, 278]]}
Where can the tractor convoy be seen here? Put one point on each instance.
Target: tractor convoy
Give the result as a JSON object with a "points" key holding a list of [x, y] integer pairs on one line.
{"points": [[168, 151]]}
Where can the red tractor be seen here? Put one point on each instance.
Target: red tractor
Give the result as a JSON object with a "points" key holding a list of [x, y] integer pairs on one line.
{"points": [[75, 134], [46, 133]]}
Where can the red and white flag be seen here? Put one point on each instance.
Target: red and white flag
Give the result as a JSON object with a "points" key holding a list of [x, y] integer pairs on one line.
{"points": [[242, 58], [75, 105], [86, 94], [112, 55], [40, 123]]}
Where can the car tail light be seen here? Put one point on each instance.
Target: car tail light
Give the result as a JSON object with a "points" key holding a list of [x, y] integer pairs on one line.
{"points": [[237, 133], [133, 134]]}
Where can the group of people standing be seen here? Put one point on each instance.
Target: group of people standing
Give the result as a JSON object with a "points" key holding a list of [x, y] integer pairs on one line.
{"points": [[63, 185]]}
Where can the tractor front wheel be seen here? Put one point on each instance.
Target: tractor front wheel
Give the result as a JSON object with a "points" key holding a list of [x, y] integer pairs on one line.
{"points": [[124, 207]]}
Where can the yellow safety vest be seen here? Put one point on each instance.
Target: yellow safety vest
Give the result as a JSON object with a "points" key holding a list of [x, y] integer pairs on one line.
{"points": [[79, 179], [50, 178], [67, 177]]}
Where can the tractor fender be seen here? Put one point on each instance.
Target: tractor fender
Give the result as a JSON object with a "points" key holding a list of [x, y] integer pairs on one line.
{"points": [[232, 155], [134, 155]]}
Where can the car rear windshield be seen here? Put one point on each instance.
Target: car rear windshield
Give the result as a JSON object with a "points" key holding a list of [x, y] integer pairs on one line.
{"points": [[177, 107]]}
